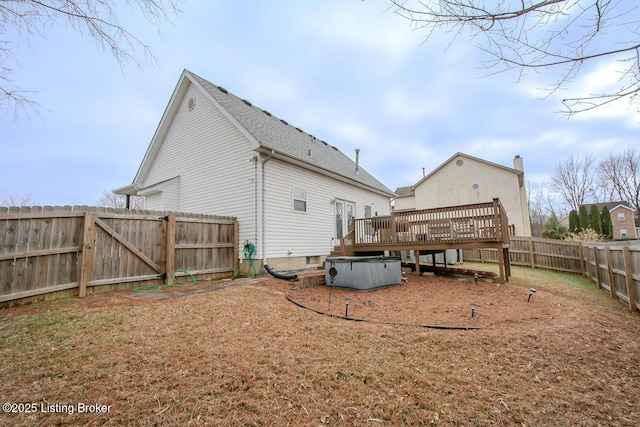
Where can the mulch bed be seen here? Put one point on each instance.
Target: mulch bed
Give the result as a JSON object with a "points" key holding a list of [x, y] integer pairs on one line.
{"points": [[427, 299]]}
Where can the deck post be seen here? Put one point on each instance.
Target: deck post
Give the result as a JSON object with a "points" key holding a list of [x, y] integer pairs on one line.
{"points": [[497, 223], [416, 255], [501, 265]]}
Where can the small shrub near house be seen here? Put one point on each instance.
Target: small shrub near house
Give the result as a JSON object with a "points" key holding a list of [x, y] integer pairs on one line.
{"points": [[586, 235]]}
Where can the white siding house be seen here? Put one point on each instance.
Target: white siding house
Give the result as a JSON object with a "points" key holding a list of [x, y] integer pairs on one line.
{"points": [[293, 194]]}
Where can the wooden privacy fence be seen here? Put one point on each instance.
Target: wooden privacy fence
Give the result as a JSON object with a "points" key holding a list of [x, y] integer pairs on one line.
{"points": [[57, 251], [550, 254], [616, 269], [612, 266]]}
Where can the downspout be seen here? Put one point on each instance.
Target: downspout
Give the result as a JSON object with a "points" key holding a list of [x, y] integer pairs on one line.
{"points": [[256, 202], [264, 207]]}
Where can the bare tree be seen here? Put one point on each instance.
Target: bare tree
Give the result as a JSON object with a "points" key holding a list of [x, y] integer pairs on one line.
{"points": [[543, 34], [97, 18], [17, 201], [603, 190], [573, 179], [623, 172], [112, 200], [540, 207]]}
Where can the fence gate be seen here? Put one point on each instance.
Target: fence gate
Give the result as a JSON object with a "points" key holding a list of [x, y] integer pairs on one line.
{"points": [[65, 250]]}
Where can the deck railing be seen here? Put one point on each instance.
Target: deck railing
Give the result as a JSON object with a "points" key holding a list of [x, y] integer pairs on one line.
{"points": [[480, 222]]}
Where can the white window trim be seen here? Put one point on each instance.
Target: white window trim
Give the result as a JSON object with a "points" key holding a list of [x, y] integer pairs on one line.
{"points": [[294, 199]]}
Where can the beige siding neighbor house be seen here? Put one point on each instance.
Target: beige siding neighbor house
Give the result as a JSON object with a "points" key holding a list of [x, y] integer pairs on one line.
{"points": [[293, 194], [464, 179]]}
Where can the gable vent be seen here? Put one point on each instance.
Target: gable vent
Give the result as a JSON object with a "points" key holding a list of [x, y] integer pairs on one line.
{"points": [[223, 90]]}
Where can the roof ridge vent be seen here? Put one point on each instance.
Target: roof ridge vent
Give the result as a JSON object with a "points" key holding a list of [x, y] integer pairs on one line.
{"points": [[267, 113], [284, 121], [223, 90], [247, 102], [299, 130]]}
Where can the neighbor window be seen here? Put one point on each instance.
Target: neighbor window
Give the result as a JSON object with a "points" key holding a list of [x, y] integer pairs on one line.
{"points": [[299, 200], [623, 233], [621, 216]]}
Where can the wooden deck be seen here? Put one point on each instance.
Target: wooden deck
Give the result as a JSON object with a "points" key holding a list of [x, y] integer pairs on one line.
{"points": [[481, 225]]}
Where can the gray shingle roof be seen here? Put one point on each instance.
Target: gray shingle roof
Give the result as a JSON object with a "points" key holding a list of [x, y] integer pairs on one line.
{"points": [[274, 133], [405, 191]]}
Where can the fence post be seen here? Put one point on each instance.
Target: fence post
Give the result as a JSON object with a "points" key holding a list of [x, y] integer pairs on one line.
{"points": [[581, 255], [628, 274], [236, 246], [612, 285], [86, 258], [533, 262], [170, 251]]}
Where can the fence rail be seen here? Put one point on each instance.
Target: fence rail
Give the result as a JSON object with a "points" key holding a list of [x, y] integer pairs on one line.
{"points": [[71, 250], [475, 223], [613, 267]]}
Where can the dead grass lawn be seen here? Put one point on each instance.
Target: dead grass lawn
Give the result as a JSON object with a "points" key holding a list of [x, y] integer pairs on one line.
{"points": [[247, 356]]}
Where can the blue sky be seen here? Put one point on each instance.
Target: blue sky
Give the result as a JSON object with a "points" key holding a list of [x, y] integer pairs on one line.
{"points": [[347, 71]]}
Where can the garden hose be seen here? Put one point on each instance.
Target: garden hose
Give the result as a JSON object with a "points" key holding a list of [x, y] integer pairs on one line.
{"points": [[180, 283], [176, 283], [248, 251]]}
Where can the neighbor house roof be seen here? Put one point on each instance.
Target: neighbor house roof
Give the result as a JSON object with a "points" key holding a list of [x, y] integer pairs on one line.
{"points": [[450, 159], [610, 205], [405, 191], [271, 133]]}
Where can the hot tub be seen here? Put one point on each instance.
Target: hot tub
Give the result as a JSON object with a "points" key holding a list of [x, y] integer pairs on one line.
{"points": [[363, 273]]}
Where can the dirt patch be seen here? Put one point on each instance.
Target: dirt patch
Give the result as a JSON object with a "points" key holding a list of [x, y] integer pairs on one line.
{"points": [[427, 299]]}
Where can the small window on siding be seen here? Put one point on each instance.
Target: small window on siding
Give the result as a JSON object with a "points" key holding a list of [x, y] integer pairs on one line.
{"points": [[621, 216], [299, 200], [623, 233]]}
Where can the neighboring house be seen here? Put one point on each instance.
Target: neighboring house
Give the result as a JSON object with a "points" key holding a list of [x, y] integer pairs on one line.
{"points": [[293, 194], [464, 179], [623, 219]]}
